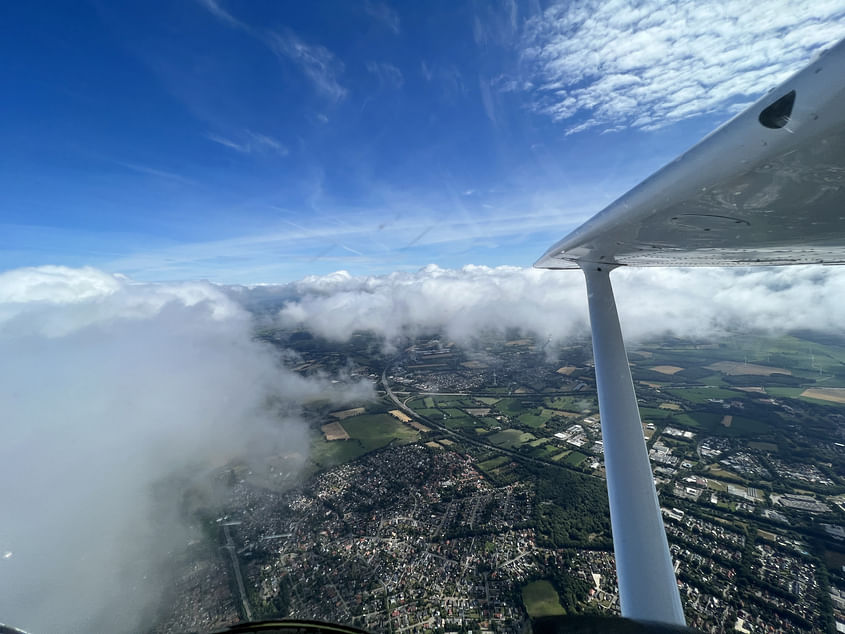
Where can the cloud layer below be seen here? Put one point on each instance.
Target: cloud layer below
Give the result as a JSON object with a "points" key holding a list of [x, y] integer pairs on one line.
{"points": [[110, 388], [466, 302]]}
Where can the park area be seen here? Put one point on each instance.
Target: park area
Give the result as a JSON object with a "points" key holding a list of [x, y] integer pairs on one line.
{"points": [[541, 599]]}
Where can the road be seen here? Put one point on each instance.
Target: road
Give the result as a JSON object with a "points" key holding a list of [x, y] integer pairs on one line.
{"points": [[230, 546], [465, 438]]}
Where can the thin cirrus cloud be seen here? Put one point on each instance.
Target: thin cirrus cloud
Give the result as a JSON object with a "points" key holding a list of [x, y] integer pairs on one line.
{"points": [[115, 394], [158, 173], [613, 65], [380, 242], [251, 143], [385, 15], [387, 74], [315, 61]]}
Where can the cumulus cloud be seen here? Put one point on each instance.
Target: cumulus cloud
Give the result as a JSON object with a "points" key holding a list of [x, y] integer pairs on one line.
{"points": [[462, 303], [109, 388], [466, 302], [648, 64]]}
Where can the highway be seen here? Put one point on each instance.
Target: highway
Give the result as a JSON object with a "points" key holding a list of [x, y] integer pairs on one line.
{"points": [[230, 546]]}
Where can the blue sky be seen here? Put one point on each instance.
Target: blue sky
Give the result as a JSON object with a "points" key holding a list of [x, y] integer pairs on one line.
{"points": [[263, 141]]}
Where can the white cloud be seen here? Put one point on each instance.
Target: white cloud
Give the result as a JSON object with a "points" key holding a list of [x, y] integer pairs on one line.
{"points": [[109, 388], [468, 301], [388, 74], [495, 22], [316, 62], [648, 64], [426, 71], [225, 142], [215, 8], [251, 143], [382, 233], [487, 100], [449, 77], [158, 173], [384, 14], [111, 385], [461, 302]]}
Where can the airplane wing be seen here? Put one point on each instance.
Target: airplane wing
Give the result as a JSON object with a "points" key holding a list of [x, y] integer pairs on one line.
{"points": [[766, 188]]}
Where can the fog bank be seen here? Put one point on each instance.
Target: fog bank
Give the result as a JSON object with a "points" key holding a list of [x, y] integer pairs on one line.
{"points": [[108, 387]]}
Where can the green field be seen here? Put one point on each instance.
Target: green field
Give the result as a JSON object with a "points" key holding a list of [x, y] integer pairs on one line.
{"points": [[463, 424], [458, 419], [429, 402], [376, 430], [713, 379], [785, 392], [561, 402], [541, 599], [416, 403], [533, 419], [487, 465], [763, 446], [511, 438], [795, 392], [545, 452], [329, 454], [366, 433], [433, 414], [575, 458], [712, 422], [696, 420], [455, 401], [702, 394], [510, 406], [654, 413]]}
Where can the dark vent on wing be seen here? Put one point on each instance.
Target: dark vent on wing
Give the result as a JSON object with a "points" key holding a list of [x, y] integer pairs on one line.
{"points": [[777, 115]]}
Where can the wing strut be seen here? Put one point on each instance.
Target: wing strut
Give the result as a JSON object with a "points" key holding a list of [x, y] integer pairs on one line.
{"points": [[648, 590]]}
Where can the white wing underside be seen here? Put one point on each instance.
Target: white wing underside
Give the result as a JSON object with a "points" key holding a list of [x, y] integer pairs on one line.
{"points": [[767, 188]]}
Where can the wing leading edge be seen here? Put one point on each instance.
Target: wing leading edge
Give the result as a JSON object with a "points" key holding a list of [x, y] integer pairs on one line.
{"points": [[766, 188]]}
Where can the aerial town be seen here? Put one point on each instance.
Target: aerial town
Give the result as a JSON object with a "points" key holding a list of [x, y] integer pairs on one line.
{"points": [[469, 494]]}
